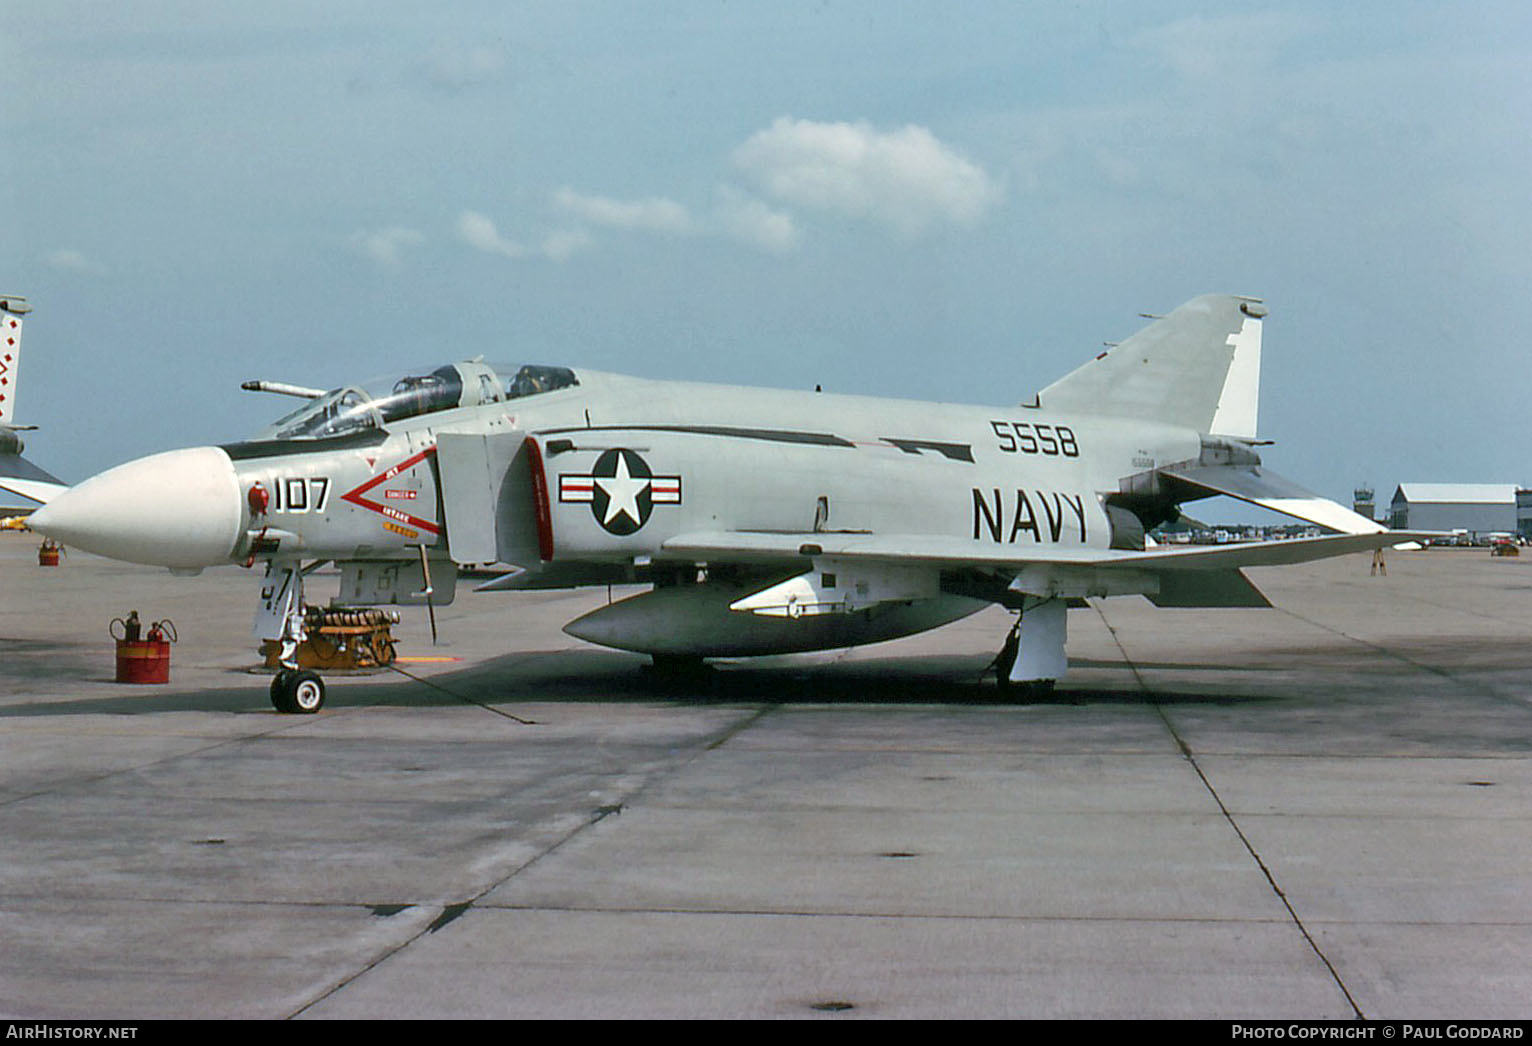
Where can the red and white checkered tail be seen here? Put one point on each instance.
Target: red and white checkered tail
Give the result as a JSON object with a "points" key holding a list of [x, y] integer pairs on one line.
{"points": [[12, 308]]}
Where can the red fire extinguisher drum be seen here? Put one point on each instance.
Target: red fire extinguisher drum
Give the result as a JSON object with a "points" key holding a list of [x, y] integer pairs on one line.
{"points": [[144, 660]]}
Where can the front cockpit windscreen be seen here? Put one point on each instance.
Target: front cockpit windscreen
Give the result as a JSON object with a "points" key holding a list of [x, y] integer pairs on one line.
{"points": [[374, 404]]}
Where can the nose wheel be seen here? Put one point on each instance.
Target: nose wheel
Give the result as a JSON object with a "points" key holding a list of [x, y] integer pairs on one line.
{"points": [[297, 691]]}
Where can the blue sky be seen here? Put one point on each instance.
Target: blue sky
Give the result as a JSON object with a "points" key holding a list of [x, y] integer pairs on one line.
{"points": [[955, 201]]}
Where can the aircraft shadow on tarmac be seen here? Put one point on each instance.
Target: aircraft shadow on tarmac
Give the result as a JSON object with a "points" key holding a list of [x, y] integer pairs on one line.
{"points": [[587, 676]]}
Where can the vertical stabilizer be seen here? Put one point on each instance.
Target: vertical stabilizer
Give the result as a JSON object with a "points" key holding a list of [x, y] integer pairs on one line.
{"points": [[17, 474], [12, 308], [1198, 367]]}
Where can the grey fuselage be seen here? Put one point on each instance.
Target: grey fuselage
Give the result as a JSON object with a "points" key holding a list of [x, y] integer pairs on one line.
{"points": [[719, 458]]}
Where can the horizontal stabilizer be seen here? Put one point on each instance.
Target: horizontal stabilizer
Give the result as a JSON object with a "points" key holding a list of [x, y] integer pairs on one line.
{"points": [[1260, 486], [20, 476]]}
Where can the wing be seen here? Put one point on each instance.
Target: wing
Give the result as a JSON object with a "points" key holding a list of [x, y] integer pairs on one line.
{"points": [[927, 550], [888, 568]]}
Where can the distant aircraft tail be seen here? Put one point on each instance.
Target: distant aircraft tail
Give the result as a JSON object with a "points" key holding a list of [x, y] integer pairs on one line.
{"points": [[12, 309], [17, 474], [1198, 367]]}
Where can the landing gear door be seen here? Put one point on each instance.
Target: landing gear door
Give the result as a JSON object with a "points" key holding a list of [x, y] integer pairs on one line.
{"points": [[487, 499], [281, 598]]}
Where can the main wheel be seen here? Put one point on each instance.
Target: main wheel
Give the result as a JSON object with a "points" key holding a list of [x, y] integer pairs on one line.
{"points": [[1006, 659], [1039, 689], [678, 674]]}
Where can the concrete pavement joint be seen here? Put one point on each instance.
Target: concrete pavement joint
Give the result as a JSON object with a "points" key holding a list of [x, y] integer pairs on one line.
{"points": [[1488, 690], [1228, 815], [168, 760], [451, 912], [987, 917]]}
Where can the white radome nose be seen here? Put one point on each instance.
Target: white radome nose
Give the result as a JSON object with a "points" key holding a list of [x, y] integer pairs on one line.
{"points": [[178, 509]]}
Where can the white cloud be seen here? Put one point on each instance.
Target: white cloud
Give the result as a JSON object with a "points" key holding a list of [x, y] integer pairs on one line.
{"points": [[560, 245], [750, 221], [1226, 47], [69, 261], [456, 66], [479, 231], [656, 214], [735, 215], [386, 246], [905, 178]]}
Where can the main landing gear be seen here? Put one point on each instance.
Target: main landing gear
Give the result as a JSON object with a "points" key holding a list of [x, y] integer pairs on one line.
{"points": [[1032, 659], [297, 690], [677, 673]]}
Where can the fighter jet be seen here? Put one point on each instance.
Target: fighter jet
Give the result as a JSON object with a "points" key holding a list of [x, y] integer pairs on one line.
{"points": [[17, 475], [764, 521]]}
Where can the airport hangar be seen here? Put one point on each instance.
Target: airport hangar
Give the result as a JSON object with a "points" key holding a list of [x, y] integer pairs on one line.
{"points": [[1478, 508]]}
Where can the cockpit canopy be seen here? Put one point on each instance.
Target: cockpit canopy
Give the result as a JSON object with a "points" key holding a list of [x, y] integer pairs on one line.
{"points": [[374, 404]]}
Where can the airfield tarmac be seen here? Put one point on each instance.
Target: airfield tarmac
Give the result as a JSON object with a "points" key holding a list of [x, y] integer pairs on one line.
{"points": [[1316, 811]]}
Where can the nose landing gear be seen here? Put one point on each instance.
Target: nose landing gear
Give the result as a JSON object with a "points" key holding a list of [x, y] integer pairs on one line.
{"points": [[293, 689]]}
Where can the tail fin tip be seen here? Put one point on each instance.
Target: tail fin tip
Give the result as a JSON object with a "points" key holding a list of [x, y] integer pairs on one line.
{"points": [[1197, 367]]}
